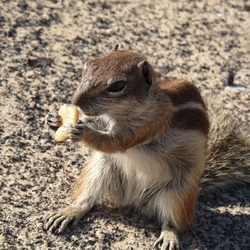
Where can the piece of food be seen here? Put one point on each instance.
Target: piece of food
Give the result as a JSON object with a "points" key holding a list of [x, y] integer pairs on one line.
{"points": [[68, 114]]}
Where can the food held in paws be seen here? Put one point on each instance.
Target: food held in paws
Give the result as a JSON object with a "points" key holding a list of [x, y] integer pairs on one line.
{"points": [[68, 114]]}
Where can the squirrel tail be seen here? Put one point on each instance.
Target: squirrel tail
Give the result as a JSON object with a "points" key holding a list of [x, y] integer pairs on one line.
{"points": [[228, 152]]}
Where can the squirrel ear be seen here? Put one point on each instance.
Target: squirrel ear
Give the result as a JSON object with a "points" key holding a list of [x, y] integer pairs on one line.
{"points": [[115, 48], [146, 71]]}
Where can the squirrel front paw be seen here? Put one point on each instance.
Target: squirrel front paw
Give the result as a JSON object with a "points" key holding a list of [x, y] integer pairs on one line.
{"points": [[58, 222], [52, 120], [76, 131]]}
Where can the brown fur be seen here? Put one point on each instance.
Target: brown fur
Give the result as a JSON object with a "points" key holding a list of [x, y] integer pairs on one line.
{"points": [[182, 91], [191, 119], [185, 208]]}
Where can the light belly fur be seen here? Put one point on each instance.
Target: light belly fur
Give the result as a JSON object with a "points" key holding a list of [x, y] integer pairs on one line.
{"points": [[138, 167]]}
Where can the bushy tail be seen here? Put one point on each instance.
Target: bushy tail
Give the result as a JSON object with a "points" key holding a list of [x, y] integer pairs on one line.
{"points": [[228, 152]]}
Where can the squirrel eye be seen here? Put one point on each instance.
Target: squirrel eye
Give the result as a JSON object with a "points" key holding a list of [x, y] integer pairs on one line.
{"points": [[116, 87]]}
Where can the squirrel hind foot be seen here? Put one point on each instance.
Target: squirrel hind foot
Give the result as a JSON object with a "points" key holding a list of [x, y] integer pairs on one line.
{"points": [[169, 238]]}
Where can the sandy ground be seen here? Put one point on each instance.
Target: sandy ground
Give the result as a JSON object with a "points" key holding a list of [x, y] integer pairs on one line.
{"points": [[43, 45]]}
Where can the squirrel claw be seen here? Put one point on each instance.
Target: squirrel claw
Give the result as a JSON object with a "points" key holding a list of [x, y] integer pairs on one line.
{"points": [[75, 132], [169, 241], [52, 222], [58, 222], [52, 120]]}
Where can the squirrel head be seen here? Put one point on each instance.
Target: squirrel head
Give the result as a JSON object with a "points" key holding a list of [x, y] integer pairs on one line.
{"points": [[114, 83]]}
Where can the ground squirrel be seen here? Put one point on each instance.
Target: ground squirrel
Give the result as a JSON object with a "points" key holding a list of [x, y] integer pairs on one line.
{"points": [[148, 139]]}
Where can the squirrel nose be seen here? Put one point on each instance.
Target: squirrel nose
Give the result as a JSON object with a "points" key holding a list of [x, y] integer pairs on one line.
{"points": [[78, 99], [79, 96]]}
